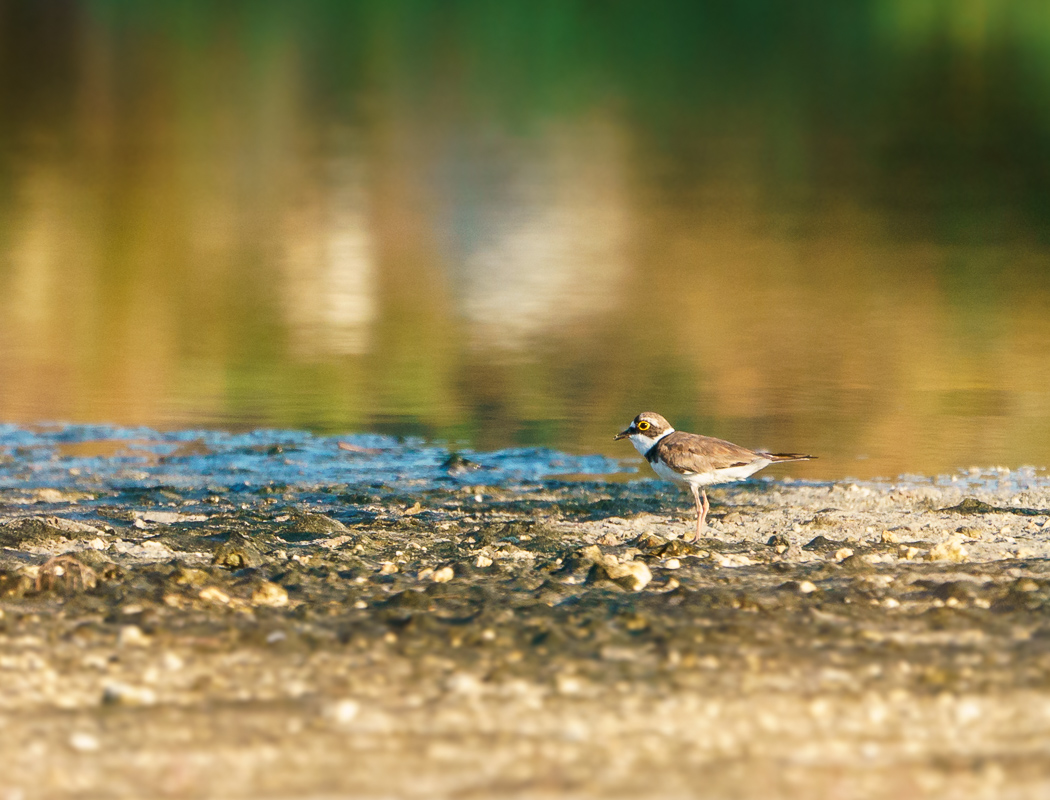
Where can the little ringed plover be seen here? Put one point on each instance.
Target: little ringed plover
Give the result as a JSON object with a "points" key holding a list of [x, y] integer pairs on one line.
{"points": [[696, 461]]}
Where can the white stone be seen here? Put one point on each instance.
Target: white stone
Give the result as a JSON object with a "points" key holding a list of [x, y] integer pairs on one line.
{"points": [[947, 551], [84, 742], [213, 594], [269, 594], [132, 636], [342, 712]]}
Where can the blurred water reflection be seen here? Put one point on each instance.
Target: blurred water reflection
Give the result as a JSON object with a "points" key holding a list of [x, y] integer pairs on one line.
{"points": [[819, 229]]}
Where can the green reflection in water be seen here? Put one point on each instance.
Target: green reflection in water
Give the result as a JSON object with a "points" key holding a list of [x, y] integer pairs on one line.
{"points": [[817, 227]]}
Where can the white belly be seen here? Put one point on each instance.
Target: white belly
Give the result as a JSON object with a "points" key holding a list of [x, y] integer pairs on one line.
{"points": [[709, 478]]}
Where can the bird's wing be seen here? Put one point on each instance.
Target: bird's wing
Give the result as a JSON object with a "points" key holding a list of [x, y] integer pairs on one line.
{"points": [[690, 452]]}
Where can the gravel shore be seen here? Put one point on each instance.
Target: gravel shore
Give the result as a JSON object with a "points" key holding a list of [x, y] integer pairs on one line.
{"points": [[552, 638]]}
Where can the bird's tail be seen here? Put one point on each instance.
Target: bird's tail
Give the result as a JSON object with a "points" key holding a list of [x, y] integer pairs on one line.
{"points": [[788, 457]]}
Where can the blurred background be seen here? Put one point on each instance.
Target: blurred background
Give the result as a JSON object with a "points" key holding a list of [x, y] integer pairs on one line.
{"points": [[807, 226]]}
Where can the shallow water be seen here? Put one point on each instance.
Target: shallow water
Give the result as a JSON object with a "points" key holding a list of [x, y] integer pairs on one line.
{"points": [[89, 457], [93, 458]]}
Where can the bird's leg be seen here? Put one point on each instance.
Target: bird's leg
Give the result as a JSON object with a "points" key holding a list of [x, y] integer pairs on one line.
{"points": [[701, 512], [703, 517]]}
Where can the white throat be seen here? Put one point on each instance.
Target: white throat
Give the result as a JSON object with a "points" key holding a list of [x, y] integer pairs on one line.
{"points": [[643, 443]]}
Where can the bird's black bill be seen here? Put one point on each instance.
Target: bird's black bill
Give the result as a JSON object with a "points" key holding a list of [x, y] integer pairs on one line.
{"points": [[623, 434]]}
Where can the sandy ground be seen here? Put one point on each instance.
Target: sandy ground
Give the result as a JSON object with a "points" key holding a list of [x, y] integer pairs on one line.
{"points": [[552, 639]]}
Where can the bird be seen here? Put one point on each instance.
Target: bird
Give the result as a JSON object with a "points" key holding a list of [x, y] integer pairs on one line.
{"points": [[696, 461]]}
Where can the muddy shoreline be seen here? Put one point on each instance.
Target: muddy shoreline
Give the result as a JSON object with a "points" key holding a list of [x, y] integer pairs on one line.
{"points": [[540, 638]]}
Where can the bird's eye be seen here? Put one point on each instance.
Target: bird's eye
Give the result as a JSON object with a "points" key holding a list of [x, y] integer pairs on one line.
{"points": [[643, 425]]}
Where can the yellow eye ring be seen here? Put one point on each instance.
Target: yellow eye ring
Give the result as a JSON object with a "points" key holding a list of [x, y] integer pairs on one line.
{"points": [[643, 426]]}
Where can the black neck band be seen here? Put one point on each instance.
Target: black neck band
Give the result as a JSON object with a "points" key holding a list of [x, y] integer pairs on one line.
{"points": [[650, 454]]}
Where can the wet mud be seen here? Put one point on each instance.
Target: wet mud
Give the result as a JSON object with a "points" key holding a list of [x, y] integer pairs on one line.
{"points": [[169, 633]]}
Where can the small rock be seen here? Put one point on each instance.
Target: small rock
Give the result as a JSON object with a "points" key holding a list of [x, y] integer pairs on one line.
{"points": [[307, 526], [132, 636], [672, 563], [971, 505], [84, 742], [779, 542], [213, 594], [483, 561], [732, 560], [890, 537], [800, 587], [856, 564], [387, 568], [568, 684], [909, 553], [650, 541], [821, 544], [65, 575], [676, 547], [631, 575], [169, 517], [172, 662], [188, 576], [267, 593], [822, 521], [48, 496], [343, 712], [443, 575], [127, 695], [842, 554], [947, 551], [237, 553], [456, 465]]}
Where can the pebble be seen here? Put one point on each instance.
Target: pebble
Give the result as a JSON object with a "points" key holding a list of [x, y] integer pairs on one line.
{"points": [[632, 575], [843, 553], [127, 695], [443, 575], [483, 561], [84, 742], [343, 712], [267, 593], [733, 560], [172, 662], [132, 636], [213, 594], [947, 551], [889, 537], [387, 568]]}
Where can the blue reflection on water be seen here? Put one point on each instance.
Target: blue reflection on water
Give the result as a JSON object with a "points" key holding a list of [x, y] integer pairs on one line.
{"points": [[193, 458]]}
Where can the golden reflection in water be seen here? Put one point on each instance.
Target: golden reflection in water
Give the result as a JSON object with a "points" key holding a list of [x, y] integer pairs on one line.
{"points": [[207, 248]]}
